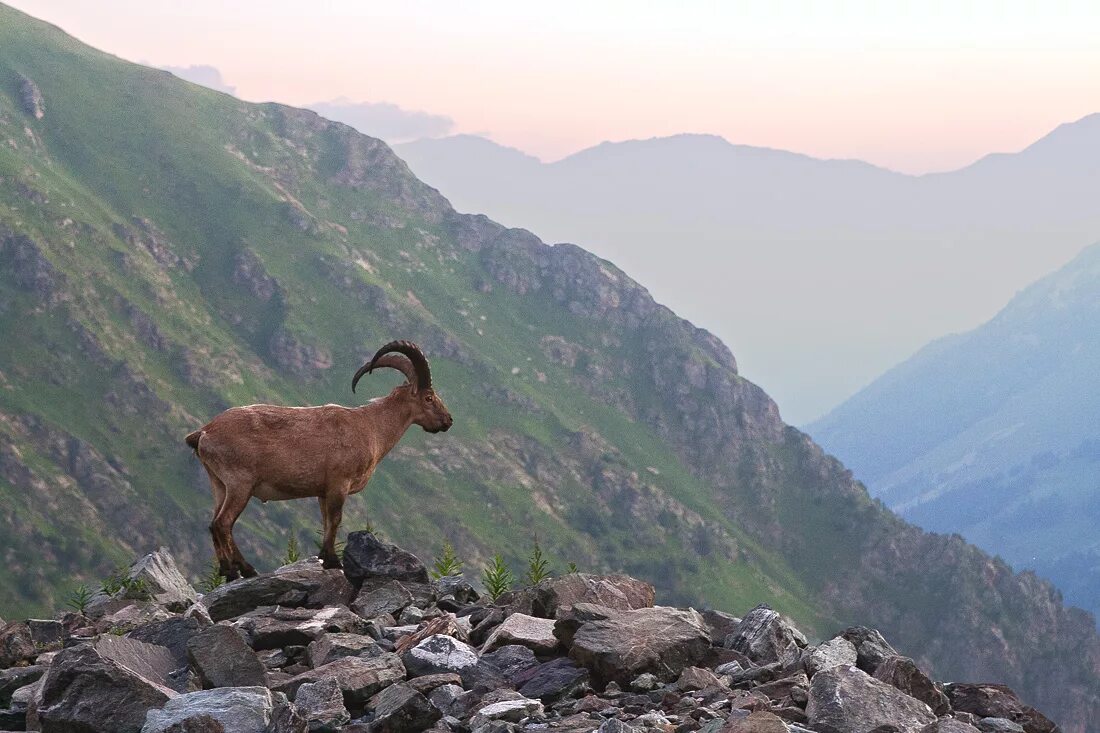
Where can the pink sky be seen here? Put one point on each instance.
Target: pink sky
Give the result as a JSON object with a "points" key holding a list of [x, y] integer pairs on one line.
{"points": [[915, 91]]}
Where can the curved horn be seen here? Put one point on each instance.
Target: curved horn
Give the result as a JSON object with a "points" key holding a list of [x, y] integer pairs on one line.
{"points": [[400, 362], [416, 358]]}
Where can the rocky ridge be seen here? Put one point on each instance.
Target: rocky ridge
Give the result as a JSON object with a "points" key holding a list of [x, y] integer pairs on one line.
{"points": [[383, 649]]}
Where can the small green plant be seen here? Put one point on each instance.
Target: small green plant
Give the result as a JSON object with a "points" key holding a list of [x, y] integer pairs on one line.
{"points": [[113, 583], [447, 564], [538, 568], [293, 553], [497, 578], [79, 598], [338, 546], [213, 578], [572, 568]]}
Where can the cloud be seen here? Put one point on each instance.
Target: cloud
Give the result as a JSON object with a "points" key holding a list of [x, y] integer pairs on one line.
{"points": [[207, 76], [384, 120]]}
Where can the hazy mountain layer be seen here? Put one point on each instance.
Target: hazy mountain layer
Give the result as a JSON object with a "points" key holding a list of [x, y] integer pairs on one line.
{"points": [[821, 274], [168, 251], [994, 433]]}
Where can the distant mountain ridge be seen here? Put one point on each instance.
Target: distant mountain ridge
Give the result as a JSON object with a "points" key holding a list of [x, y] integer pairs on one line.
{"points": [[889, 261], [167, 251], [994, 433]]}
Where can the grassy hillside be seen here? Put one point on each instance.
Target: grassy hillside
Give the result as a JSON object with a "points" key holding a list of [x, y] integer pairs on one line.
{"points": [[167, 251]]}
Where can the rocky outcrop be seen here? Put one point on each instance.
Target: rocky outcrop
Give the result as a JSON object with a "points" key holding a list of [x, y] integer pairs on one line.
{"points": [[34, 104], [578, 665]]}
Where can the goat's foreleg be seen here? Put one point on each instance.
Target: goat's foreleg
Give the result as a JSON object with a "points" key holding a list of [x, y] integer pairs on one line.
{"points": [[332, 512]]}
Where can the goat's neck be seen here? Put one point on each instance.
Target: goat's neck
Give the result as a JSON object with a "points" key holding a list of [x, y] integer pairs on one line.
{"points": [[385, 421]]}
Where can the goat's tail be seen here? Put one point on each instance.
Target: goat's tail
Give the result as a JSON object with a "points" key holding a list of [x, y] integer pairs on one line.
{"points": [[193, 440]]}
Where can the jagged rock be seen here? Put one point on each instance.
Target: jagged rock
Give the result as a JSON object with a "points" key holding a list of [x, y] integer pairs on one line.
{"points": [[658, 640], [411, 616], [695, 678], [835, 652], [903, 673], [358, 678], [788, 691], [764, 637], [949, 725], [172, 634], [330, 647], [851, 701], [758, 722], [645, 682], [579, 614], [534, 633], [236, 709], [129, 615], [31, 98], [401, 709], [222, 658], [457, 588], [444, 696], [17, 677], [321, 703], [997, 701], [871, 648], [301, 585], [429, 682], [555, 680], [618, 592], [498, 668], [85, 691], [438, 654], [152, 662], [367, 557], [719, 624], [163, 580], [270, 628], [16, 644], [512, 710], [46, 632], [999, 725], [375, 600]]}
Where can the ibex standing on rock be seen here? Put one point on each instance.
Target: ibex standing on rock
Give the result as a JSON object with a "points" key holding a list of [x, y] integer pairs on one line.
{"points": [[277, 453]]}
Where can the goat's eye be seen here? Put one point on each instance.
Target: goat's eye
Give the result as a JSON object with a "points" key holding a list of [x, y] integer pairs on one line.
{"points": [[429, 398]]}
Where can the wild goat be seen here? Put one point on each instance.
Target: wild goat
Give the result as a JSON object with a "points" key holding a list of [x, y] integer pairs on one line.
{"points": [[277, 453]]}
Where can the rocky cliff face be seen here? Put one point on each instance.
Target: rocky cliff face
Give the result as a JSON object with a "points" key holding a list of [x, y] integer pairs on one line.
{"points": [[158, 272], [379, 647]]}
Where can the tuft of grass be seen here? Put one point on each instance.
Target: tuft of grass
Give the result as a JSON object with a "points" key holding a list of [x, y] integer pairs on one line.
{"points": [[497, 578], [572, 568], [293, 553], [538, 567], [79, 598], [338, 546], [446, 564], [213, 578]]}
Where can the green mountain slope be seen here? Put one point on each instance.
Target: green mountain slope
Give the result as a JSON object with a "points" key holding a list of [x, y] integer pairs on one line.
{"points": [[993, 433], [167, 251]]}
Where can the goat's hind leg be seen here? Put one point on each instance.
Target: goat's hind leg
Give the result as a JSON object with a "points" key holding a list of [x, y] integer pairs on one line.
{"points": [[234, 504], [222, 553]]}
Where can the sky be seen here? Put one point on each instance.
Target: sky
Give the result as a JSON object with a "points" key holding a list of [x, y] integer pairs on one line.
{"points": [[915, 87]]}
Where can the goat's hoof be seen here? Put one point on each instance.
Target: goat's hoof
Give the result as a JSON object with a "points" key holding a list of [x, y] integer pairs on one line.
{"points": [[332, 564], [249, 572]]}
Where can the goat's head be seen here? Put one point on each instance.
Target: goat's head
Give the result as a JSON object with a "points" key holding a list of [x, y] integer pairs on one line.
{"points": [[429, 412]]}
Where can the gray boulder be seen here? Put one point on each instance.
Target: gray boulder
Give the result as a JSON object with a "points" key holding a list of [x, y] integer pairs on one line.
{"points": [[236, 709], [377, 599], [764, 637], [848, 700], [366, 557], [556, 680], [16, 677], [163, 580], [871, 648], [271, 628], [997, 701], [304, 584], [330, 647], [537, 634], [358, 678], [401, 709], [835, 652], [903, 673], [321, 703], [658, 640], [222, 658], [437, 654], [154, 663], [172, 634], [618, 592], [88, 692], [949, 725], [16, 644]]}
